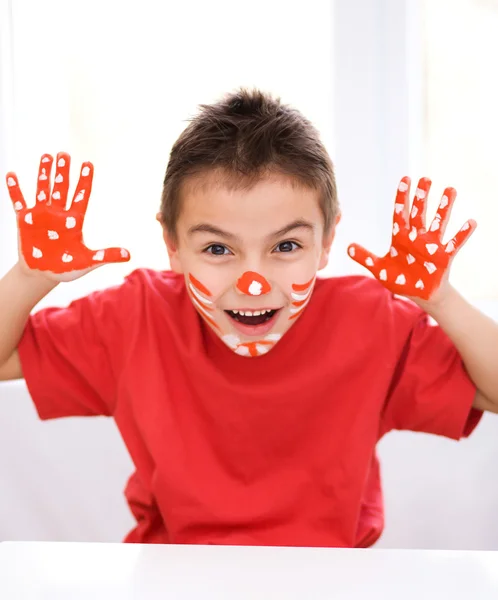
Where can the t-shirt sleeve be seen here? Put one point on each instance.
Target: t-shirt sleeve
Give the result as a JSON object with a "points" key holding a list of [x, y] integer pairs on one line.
{"points": [[71, 357], [431, 391]]}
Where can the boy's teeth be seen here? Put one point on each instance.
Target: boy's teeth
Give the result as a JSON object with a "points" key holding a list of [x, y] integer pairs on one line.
{"points": [[235, 312], [257, 313]]}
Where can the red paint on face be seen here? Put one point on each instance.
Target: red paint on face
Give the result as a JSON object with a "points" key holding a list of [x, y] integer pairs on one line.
{"points": [[201, 288], [301, 287], [253, 284]]}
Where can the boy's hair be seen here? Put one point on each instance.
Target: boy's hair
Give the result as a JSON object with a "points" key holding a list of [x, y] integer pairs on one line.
{"points": [[244, 137]]}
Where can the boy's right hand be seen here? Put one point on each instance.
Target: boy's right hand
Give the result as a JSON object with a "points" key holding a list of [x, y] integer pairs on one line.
{"points": [[50, 233]]}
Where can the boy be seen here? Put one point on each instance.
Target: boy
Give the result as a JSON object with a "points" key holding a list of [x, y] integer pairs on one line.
{"points": [[249, 393]]}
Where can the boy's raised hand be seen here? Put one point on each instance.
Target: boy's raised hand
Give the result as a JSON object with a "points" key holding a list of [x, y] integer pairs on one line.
{"points": [[50, 232], [417, 264]]}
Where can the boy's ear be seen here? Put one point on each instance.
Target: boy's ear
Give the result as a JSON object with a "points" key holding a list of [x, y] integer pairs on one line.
{"points": [[171, 247], [327, 244]]}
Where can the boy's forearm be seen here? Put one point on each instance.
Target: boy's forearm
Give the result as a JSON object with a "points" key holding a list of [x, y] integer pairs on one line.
{"points": [[475, 336], [20, 292]]}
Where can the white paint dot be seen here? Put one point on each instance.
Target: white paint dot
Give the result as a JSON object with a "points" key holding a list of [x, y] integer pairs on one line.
{"points": [[419, 285], [450, 246], [410, 259], [46, 159], [444, 202], [53, 235], [255, 288], [431, 267], [393, 252], [56, 195], [420, 193], [369, 261], [435, 225], [70, 222], [414, 212], [432, 248], [61, 163], [80, 196], [124, 253], [383, 275], [41, 196], [466, 226], [29, 218], [351, 252], [400, 279], [85, 171], [11, 182], [66, 258], [395, 229], [398, 208], [43, 175], [402, 187], [37, 253], [59, 178], [99, 255], [413, 234], [18, 205]]}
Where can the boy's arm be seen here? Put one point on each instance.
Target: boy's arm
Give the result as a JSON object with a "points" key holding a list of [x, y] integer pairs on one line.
{"points": [[20, 292], [475, 336], [417, 266]]}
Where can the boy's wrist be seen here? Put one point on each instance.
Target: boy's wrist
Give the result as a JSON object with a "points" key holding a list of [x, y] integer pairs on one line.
{"points": [[35, 281]]}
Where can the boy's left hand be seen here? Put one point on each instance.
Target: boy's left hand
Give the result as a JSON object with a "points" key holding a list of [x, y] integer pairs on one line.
{"points": [[418, 262]]}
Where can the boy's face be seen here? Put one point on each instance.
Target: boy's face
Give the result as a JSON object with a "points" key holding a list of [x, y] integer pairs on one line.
{"points": [[249, 257]]}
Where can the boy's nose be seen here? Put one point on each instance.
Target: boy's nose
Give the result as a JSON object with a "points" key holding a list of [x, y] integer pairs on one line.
{"points": [[253, 284]]}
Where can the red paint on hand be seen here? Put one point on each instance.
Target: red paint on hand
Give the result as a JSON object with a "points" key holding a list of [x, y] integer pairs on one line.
{"points": [[418, 260], [253, 284], [50, 233]]}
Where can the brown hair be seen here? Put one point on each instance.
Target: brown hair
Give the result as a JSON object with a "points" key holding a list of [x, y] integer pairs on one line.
{"points": [[245, 136]]}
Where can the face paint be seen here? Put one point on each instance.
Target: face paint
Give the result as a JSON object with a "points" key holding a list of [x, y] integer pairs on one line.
{"points": [[301, 296], [202, 299], [253, 284], [50, 234], [418, 260]]}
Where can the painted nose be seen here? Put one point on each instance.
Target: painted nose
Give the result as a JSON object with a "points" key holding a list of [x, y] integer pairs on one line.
{"points": [[253, 284]]}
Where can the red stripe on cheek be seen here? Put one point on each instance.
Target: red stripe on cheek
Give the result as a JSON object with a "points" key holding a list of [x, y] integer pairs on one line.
{"points": [[199, 285], [300, 287]]}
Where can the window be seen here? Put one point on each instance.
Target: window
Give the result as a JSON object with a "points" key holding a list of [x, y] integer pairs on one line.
{"points": [[461, 129]]}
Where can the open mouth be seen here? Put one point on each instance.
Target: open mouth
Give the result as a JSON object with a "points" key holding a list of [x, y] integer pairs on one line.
{"points": [[254, 318]]}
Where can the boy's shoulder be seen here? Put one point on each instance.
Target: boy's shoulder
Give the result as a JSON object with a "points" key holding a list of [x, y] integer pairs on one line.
{"points": [[361, 296]]}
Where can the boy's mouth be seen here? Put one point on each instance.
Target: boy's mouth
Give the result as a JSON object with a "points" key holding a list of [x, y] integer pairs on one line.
{"points": [[253, 322]]}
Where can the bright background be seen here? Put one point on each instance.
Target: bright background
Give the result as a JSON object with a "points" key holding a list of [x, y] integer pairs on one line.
{"points": [[395, 86]]}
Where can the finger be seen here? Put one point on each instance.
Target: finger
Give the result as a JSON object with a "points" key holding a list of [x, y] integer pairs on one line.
{"points": [[457, 242], [402, 204], [419, 206], [83, 190], [61, 181], [443, 213], [363, 257], [43, 183], [110, 255], [15, 192]]}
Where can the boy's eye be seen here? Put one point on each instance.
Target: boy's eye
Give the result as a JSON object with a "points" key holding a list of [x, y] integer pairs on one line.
{"points": [[217, 250], [287, 247]]}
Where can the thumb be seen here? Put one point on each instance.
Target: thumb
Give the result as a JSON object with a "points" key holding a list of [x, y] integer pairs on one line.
{"points": [[362, 256], [111, 255]]}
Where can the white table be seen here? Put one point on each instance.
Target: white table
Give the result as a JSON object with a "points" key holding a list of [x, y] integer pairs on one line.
{"points": [[52, 571]]}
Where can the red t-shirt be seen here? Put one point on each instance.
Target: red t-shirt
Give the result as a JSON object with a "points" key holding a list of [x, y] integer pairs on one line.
{"points": [[275, 450]]}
